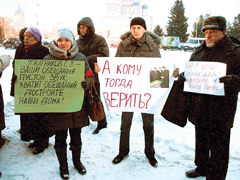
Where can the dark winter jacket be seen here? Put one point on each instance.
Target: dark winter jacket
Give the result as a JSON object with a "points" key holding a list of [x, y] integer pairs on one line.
{"points": [[75, 119], [148, 46], [217, 111], [32, 124], [92, 45], [2, 118], [38, 51]]}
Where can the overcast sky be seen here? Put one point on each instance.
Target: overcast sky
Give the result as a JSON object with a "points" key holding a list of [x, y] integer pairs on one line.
{"points": [[71, 11]]}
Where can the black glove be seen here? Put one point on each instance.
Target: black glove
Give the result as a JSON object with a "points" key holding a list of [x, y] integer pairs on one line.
{"points": [[181, 77], [85, 85], [229, 79]]}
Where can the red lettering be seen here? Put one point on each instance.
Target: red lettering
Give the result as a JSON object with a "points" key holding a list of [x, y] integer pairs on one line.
{"points": [[116, 99], [106, 67], [118, 69]]}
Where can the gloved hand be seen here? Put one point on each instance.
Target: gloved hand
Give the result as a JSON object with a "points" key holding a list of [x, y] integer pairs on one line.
{"points": [[4, 61], [85, 85], [229, 79]]}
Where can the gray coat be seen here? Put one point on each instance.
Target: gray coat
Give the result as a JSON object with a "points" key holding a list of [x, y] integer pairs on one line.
{"points": [[148, 46], [75, 119]]}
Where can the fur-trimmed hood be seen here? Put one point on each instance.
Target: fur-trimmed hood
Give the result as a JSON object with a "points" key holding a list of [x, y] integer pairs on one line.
{"points": [[62, 54], [152, 35]]}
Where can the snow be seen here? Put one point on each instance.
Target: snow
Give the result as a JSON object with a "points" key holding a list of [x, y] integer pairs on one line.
{"points": [[174, 146]]}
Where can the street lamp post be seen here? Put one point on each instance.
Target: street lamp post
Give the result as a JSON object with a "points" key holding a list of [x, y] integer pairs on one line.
{"points": [[37, 14], [196, 21]]}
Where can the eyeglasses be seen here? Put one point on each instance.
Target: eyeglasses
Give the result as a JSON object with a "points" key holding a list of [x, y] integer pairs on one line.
{"points": [[27, 36]]}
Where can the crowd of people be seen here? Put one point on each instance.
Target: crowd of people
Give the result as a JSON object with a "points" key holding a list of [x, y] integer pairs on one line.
{"points": [[212, 116]]}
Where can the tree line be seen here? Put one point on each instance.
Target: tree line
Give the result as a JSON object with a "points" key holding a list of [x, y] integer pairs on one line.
{"points": [[177, 24]]}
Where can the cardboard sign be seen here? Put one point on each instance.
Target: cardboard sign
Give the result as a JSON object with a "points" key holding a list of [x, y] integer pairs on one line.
{"points": [[203, 77], [48, 85], [134, 84]]}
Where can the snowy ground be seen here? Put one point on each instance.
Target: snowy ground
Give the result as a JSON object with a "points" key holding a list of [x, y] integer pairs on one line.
{"points": [[174, 146]]}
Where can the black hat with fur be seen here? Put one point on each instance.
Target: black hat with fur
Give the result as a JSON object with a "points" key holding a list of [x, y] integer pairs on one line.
{"points": [[214, 22]]}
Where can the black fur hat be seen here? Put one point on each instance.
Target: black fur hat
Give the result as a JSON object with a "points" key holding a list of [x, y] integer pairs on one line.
{"points": [[214, 22]]}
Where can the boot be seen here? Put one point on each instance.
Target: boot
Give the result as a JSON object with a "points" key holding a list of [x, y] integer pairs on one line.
{"points": [[76, 153], [62, 159], [101, 124], [2, 140], [39, 145]]}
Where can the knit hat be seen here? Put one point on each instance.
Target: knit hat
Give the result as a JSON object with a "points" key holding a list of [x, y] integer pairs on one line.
{"points": [[35, 32], [214, 22], [65, 33], [138, 21]]}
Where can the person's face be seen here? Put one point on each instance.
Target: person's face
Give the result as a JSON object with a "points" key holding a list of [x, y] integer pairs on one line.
{"points": [[137, 31], [29, 39], [64, 44], [84, 29], [213, 36]]}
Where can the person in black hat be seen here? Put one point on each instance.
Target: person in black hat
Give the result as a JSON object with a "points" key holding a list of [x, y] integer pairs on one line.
{"points": [[138, 43], [213, 116]]}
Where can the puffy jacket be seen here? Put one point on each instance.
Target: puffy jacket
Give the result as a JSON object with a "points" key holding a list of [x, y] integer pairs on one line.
{"points": [[75, 119], [91, 45], [148, 46]]}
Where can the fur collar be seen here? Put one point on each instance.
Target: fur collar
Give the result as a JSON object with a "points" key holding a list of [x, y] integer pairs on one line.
{"points": [[226, 44], [152, 35], [61, 54]]}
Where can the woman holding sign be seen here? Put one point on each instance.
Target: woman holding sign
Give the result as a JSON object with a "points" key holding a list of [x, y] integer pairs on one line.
{"points": [[138, 43], [64, 47], [33, 125]]}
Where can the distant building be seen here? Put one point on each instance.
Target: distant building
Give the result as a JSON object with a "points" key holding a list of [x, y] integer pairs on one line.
{"points": [[19, 19], [119, 14], [11, 26]]}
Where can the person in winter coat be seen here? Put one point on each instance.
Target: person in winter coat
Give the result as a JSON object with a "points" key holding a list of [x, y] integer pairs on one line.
{"points": [[33, 125], [92, 46], [21, 34], [5, 61], [138, 43], [213, 116], [64, 47]]}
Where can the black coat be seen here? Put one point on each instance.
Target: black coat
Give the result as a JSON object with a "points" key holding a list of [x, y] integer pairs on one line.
{"points": [[209, 111], [92, 45], [2, 117], [33, 125], [38, 51], [217, 111]]}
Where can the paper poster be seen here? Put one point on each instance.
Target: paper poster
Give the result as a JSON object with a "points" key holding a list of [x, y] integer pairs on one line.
{"points": [[134, 84], [203, 77], [48, 85]]}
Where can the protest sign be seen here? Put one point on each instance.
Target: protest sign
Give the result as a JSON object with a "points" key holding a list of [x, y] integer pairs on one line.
{"points": [[134, 84], [48, 85], [203, 77]]}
